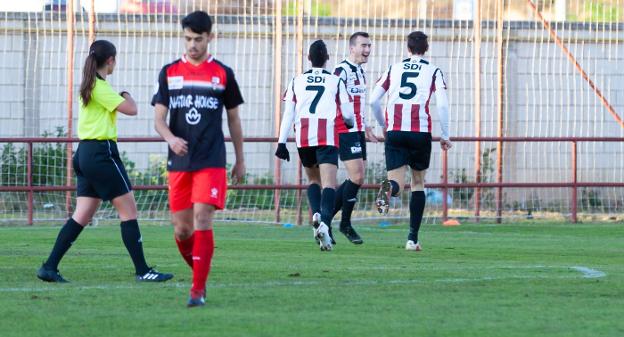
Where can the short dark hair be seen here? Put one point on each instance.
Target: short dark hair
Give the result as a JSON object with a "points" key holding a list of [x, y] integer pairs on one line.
{"points": [[417, 42], [198, 22], [355, 35], [318, 53]]}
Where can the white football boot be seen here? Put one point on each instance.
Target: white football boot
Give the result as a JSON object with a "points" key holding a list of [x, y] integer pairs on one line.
{"points": [[415, 247], [383, 197], [316, 221], [321, 234]]}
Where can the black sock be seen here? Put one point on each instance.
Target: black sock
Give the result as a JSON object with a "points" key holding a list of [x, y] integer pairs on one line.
{"points": [[350, 197], [417, 207], [314, 198], [339, 196], [328, 198], [66, 237], [394, 191], [131, 236]]}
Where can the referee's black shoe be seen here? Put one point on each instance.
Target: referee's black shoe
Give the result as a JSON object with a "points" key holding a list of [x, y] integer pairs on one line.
{"points": [[153, 275], [351, 234], [50, 275]]}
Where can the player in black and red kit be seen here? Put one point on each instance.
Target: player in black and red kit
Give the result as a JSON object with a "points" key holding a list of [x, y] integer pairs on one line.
{"points": [[194, 90]]}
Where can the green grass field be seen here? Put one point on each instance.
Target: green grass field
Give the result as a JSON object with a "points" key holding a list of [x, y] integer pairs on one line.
{"points": [[539, 279]]}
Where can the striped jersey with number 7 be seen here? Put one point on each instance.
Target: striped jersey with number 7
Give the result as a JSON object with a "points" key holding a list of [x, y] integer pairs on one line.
{"points": [[317, 94], [409, 85]]}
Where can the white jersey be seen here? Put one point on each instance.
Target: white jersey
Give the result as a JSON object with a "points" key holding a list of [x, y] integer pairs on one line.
{"points": [[409, 85], [317, 94], [355, 80]]}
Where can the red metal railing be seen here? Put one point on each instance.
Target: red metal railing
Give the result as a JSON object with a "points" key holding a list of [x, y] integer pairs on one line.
{"points": [[444, 185]]}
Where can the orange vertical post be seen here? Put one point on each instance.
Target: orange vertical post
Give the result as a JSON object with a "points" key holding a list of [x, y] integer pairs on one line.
{"points": [[92, 22], [69, 15], [277, 102], [499, 108], [299, 70], [574, 186], [445, 183], [29, 170], [477, 103]]}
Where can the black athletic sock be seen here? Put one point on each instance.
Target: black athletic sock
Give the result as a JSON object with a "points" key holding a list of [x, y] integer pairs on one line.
{"points": [[66, 237], [417, 207], [314, 198], [394, 191], [328, 198], [339, 197], [350, 197], [131, 236]]}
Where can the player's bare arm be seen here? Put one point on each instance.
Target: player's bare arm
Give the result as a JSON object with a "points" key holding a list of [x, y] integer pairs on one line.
{"points": [[128, 106], [178, 145], [370, 135], [236, 132]]}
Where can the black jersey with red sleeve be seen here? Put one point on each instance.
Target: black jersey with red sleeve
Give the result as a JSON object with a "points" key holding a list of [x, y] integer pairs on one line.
{"points": [[195, 96]]}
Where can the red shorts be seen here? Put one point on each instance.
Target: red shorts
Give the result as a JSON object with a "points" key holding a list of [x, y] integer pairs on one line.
{"points": [[205, 186]]}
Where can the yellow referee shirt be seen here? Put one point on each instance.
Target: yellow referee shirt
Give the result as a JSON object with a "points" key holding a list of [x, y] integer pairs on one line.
{"points": [[98, 119]]}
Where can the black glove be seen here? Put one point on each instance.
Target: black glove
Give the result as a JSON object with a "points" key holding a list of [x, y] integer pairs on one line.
{"points": [[349, 123], [282, 152]]}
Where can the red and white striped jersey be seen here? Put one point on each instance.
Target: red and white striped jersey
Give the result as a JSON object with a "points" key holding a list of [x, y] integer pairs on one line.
{"points": [[409, 85], [317, 94], [355, 80]]}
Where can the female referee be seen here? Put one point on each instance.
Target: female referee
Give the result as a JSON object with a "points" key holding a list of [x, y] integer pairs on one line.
{"points": [[100, 172]]}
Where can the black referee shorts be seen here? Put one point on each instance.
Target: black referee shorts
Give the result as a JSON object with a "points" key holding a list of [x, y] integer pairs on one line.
{"points": [[408, 148], [352, 145], [99, 170], [316, 155]]}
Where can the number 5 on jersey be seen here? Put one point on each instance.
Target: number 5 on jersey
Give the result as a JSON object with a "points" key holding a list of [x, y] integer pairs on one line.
{"points": [[405, 83]]}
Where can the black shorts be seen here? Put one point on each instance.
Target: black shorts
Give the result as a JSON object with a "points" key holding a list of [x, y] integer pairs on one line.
{"points": [[352, 145], [315, 155], [408, 148], [99, 170]]}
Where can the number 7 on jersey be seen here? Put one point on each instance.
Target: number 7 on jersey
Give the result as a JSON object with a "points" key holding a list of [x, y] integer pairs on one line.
{"points": [[319, 92]]}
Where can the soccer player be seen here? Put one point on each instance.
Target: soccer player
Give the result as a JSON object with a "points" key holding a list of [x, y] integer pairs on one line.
{"points": [[353, 140], [194, 89], [312, 100], [409, 85], [100, 172]]}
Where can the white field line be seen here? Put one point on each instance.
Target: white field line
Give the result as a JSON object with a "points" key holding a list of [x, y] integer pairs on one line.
{"points": [[588, 272], [431, 266], [294, 283], [434, 266]]}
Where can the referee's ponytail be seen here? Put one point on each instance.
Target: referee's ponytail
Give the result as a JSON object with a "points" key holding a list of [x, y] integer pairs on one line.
{"points": [[99, 52]]}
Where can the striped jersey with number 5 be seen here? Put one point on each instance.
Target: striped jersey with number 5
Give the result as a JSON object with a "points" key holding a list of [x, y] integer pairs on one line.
{"points": [[317, 94], [409, 86]]}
